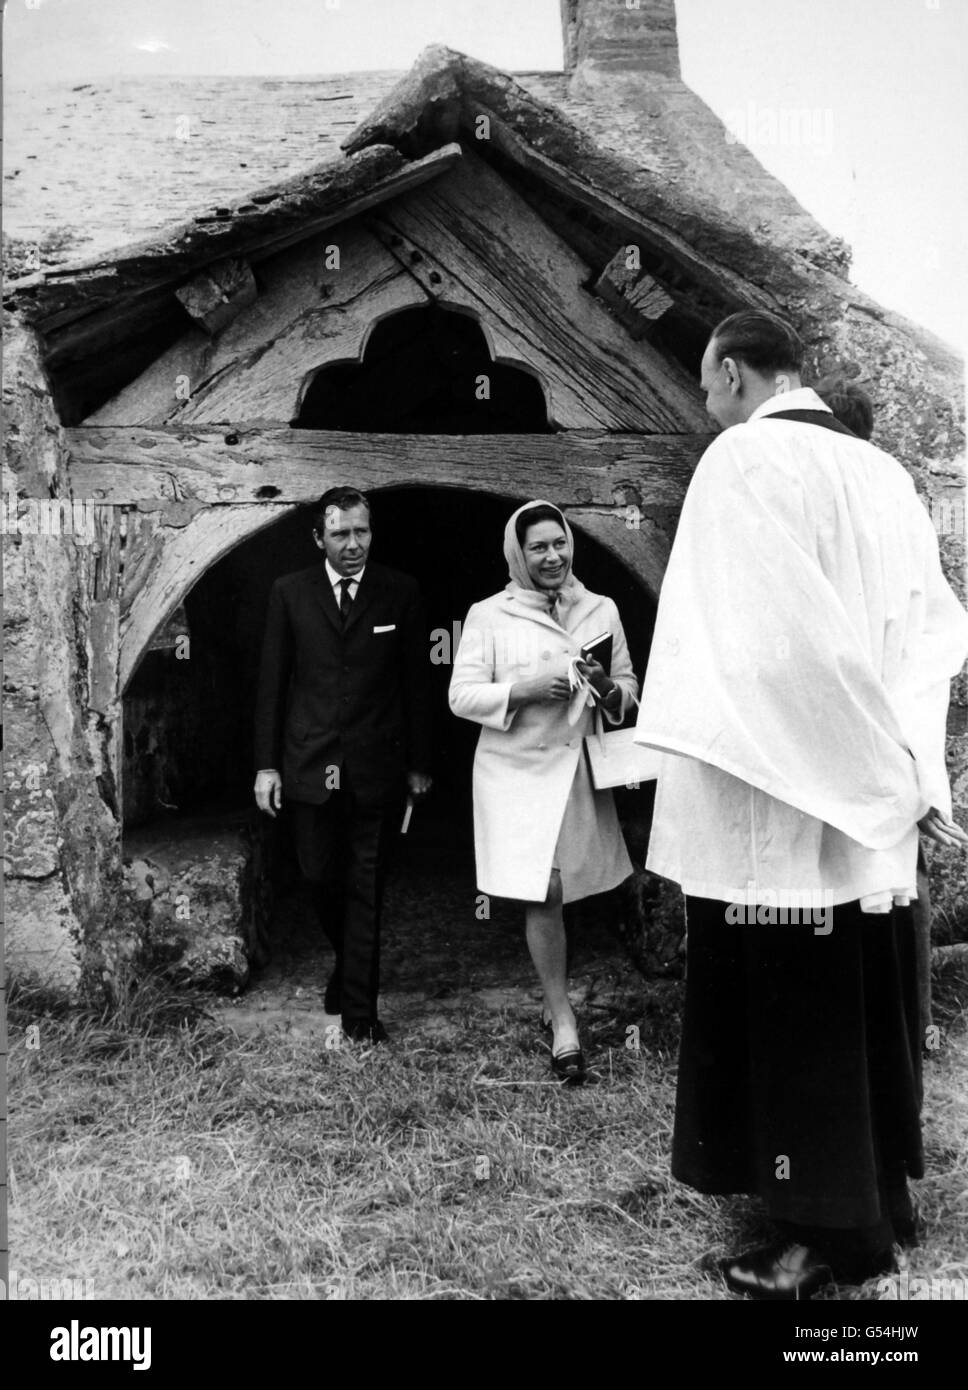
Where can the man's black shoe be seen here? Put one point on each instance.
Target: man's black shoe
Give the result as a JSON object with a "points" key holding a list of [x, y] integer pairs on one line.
{"points": [[362, 1031], [334, 989], [784, 1270], [908, 1229]]}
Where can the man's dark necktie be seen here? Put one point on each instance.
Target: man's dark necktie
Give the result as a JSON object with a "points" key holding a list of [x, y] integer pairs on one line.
{"points": [[345, 598]]}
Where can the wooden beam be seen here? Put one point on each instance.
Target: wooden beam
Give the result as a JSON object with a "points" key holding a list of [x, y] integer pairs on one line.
{"points": [[76, 305], [219, 294], [737, 292], [636, 297], [308, 315], [476, 243], [161, 567], [153, 469]]}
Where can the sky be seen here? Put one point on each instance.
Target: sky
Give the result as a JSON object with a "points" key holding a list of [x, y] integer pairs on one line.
{"points": [[880, 158]]}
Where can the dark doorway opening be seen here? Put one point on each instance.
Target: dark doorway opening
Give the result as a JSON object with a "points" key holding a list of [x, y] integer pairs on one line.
{"points": [[188, 723], [190, 818]]}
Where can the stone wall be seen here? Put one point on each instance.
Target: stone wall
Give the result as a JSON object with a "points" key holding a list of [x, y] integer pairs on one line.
{"points": [[62, 827]]}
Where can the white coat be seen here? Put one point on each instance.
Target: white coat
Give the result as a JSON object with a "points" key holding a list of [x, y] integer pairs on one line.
{"points": [[529, 761]]}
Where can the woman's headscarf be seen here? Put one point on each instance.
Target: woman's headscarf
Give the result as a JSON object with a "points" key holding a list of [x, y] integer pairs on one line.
{"points": [[521, 584]]}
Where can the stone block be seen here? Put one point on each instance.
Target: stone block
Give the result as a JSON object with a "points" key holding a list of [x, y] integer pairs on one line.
{"points": [[42, 936], [196, 894]]}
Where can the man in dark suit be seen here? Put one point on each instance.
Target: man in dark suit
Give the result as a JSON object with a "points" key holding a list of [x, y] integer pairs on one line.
{"points": [[343, 735]]}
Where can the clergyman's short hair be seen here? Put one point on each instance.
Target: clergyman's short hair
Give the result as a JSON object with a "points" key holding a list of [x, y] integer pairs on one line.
{"points": [[850, 403], [342, 497], [762, 340]]}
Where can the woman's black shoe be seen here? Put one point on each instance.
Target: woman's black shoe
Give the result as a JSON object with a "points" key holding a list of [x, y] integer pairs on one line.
{"points": [[569, 1067]]}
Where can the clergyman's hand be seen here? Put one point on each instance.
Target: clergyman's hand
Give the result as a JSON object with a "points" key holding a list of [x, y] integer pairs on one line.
{"points": [[418, 784], [268, 791], [942, 830]]}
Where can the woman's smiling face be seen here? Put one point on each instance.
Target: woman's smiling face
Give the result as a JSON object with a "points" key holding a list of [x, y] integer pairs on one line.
{"points": [[547, 555]]}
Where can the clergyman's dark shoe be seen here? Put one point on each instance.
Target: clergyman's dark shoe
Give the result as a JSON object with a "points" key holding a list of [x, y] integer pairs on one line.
{"points": [[785, 1269], [364, 1031], [334, 989]]}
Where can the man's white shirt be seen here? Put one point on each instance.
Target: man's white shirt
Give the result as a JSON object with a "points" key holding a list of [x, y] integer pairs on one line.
{"points": [[798, 682], [336, 581]]}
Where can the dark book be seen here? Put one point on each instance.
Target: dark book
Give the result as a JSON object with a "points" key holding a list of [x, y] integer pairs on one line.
{"points": [[599, 649]]}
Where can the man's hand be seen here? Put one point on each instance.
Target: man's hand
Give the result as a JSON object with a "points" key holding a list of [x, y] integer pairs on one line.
{"points": [[942, 831], [418, 784], [268, 791]]}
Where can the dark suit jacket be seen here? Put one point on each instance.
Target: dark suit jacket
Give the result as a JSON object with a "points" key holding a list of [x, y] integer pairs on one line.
{"points": [[357, 698]]}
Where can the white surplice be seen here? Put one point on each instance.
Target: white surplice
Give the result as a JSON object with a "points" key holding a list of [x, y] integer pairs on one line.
{"points": [[799, 672]]}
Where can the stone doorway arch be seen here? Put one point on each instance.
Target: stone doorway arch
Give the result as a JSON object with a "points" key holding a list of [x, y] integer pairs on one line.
{"points": [[188, 819]]}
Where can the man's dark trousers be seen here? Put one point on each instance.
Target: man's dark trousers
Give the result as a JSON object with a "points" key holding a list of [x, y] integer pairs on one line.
{"points": [[343, 848], [343, 712]]}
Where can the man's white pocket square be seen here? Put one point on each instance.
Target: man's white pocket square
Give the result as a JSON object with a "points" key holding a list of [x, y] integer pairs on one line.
{"points": [[390, 627]]}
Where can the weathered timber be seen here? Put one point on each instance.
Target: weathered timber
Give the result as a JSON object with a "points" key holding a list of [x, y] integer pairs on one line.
{"points": [[165, 564], [640, 229], [631, 536], [314, 309], [103, 293], [542, 140], [154, 468], [477, 244], [104, 565], [635, 296], [219, 294]]}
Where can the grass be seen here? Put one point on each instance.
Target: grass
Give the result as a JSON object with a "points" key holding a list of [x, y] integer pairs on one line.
{"points": [[159, 1155]]}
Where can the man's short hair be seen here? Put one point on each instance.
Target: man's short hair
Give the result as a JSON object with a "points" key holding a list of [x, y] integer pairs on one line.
{"points": [[762, 340], [850, 403], [342, 497]]}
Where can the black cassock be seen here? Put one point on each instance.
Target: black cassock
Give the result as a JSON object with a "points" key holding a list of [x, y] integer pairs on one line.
{"points": [[800, 1067]]}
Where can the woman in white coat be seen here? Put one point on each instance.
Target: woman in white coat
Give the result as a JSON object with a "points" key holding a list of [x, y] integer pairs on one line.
{"points": [[542, 833]]}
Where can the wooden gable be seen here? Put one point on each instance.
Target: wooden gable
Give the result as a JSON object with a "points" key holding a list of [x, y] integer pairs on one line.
{"points": [[467, 241]]}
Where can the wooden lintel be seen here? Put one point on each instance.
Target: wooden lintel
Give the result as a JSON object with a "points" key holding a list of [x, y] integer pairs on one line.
{"points": [[157, 468]]}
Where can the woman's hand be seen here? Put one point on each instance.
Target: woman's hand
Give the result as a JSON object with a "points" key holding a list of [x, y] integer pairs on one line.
{"points": [[538, 691], [594, 673], [941, 830]]}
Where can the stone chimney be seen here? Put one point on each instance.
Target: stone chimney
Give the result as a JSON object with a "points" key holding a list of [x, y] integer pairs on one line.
{"points": [[620, 36]]}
